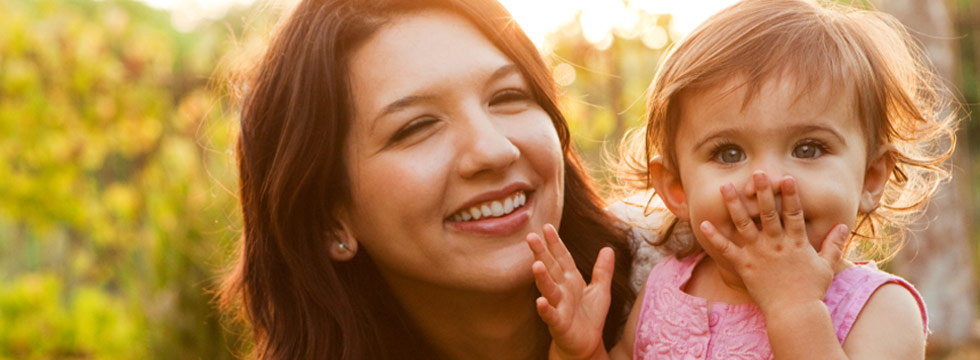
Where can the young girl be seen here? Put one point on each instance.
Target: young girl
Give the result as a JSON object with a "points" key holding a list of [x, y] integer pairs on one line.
{"points": [[775, 127]]}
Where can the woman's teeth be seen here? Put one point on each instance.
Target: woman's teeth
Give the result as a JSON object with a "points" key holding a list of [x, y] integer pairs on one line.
{"points": [[494, 208]]}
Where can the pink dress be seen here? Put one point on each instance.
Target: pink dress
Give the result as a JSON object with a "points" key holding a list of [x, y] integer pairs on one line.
{"points": [[675, 325]]}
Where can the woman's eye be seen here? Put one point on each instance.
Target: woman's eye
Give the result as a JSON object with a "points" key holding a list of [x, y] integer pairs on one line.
{"points": [[807, 151], [729, 155], [509, 97], [411, 128]]}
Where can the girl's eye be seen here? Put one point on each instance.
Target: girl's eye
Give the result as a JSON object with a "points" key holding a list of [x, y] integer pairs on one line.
{"points": [[510, 99], [729, 154], [411, 128], [807, 151]]}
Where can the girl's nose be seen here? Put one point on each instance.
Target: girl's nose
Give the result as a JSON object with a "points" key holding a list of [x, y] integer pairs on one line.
{"points": [[485, 148]]}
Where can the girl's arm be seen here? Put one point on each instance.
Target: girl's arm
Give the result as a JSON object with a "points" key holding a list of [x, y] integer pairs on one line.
{"points": [[783, 273], [889, 327], [574, 312], [623, 350]]}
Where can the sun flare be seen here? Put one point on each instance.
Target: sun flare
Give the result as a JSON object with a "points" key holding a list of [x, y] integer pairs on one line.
{"points": [[599, 20]]}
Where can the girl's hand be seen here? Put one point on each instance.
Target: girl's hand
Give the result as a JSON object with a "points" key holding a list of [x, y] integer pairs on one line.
{"points": [[575, 312], [778, 265]]}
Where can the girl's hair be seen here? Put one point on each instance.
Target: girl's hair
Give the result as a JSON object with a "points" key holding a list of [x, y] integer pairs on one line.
{"points": [[295, 120], [819, 46]]}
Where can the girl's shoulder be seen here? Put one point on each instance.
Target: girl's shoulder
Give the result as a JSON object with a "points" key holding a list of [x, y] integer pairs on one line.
{"points": [[852, 290]]}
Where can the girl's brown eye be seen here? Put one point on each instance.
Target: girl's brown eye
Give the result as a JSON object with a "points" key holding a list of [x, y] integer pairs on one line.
{"points": [[807, 151], [729, 155]]}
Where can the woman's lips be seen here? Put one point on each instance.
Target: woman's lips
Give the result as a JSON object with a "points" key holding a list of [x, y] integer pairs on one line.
{"points": [[491, 208], [505, 224]]}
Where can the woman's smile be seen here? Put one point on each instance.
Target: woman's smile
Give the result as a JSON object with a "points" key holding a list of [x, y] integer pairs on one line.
{"points": [[501, 216]]}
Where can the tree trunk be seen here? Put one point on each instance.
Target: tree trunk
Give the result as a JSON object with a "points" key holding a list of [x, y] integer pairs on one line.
{"points": [[938, 257]]}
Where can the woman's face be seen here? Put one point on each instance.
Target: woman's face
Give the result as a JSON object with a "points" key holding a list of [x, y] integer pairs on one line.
{"points": [[451, 160]]}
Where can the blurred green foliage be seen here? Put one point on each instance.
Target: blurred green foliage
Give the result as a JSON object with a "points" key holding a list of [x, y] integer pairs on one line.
{"points": [[117, 187], [113, 216]]}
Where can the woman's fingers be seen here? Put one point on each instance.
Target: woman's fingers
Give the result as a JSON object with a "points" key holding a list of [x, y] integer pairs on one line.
{"points": [[767, 205], [832, 249], [792, 209], [740, 217]]}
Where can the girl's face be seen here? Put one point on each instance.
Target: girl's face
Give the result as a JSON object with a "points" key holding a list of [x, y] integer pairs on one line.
{"points": [[452, 162], [816, 139]]}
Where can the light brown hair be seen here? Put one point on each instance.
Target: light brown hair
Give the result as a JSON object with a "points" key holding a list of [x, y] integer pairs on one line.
{"points": [[897, 96], [295, 121]]}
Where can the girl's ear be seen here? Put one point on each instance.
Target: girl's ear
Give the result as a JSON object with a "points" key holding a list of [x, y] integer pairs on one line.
{"points": [[343, 245], [876, 177], [667, 183]]}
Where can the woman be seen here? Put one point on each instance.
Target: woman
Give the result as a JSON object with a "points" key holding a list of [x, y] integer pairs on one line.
{"points": [[393, 156]]}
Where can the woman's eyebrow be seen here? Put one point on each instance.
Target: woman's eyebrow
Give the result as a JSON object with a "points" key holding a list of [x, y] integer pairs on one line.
{"points": [[502, 72], [408, 101], [399, 105]]}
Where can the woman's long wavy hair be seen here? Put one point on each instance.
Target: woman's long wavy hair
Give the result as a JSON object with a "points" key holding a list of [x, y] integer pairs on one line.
{"points": [[295, 120], [817, 44]]}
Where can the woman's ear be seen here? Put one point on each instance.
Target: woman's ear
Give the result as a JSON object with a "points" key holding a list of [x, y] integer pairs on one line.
{"points": [[876, 177], [667, 183], [343, 245]]}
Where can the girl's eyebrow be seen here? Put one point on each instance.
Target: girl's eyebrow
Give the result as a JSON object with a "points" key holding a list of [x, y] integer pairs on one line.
{"points": [[730, 132], [795, 129], [809, 128]]}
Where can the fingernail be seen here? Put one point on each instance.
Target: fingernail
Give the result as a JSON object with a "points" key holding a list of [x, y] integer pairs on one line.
{"points": [[842, 229], [728, 190], [788, 183], [705, 226], [760, 178]]}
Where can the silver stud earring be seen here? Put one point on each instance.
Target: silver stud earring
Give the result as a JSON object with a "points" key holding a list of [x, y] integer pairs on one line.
{"points": [[343, 247]]}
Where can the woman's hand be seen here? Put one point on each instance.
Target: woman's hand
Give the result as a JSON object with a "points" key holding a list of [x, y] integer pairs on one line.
{"points": [[575, 312]]}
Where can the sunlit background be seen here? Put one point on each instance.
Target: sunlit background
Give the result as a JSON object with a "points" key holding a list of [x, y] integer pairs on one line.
{"points": [[538, 18], [118, 192]]}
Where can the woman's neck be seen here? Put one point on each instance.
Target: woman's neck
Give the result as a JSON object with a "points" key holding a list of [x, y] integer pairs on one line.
{"points": [[471, 325]]}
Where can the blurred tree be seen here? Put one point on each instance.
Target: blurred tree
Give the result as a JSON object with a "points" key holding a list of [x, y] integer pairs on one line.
{"points": [[939, 250], [112, 212], [605, 83]]}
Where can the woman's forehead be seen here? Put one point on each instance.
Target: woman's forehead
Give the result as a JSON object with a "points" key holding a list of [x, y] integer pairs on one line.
{"points": [[420, 54]]}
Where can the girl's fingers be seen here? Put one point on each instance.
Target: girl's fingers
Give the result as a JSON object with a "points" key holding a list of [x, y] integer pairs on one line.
{"points": [[558, 249], [547, 312], [543, 254], [767, 205], [792, 209], [546, 284], [740, 217], [718, 241], [832, 249], [602, 272]]}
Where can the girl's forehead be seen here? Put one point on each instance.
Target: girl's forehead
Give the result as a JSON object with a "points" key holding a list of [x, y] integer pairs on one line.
{"points": [[768, 108]]}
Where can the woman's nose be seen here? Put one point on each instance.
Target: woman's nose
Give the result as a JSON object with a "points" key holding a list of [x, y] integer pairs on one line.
{"points": [[486, 148]]}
